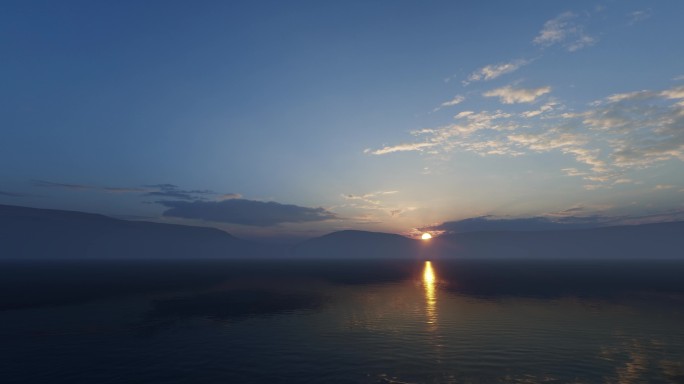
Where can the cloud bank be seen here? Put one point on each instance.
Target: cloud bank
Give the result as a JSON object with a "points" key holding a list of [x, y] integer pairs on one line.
{"points": [[245, 212], [489, 223], [174, 192]]}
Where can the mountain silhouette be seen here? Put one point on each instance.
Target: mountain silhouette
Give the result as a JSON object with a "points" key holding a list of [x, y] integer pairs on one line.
{"points": [[358, 245], [55, 234], [31, 233], [645, 241]]}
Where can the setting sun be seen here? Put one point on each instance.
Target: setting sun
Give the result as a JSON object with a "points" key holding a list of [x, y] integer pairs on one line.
{"points": [[426, 236]]}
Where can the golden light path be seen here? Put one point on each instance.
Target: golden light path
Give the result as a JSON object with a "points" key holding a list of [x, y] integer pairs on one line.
{"points": [[429, 282]]}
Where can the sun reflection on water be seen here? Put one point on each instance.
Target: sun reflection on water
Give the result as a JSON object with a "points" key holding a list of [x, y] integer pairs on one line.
{"points": [[429, 282]]}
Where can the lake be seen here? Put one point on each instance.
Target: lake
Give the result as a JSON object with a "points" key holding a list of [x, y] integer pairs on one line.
{"points": [[279, 321]]}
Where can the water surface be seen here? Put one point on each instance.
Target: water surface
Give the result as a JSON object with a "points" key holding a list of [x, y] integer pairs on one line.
{"points": [[342, 322]]}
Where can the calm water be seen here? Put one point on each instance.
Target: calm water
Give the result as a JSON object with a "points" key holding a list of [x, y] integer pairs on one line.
{"points": [[342, 322]]}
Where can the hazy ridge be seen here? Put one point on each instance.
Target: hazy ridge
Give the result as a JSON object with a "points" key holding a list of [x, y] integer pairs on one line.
{"points": [[30, 233]]}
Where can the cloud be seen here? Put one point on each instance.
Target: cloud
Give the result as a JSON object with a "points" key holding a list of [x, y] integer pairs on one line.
{"points": [[612, 136], [460, 135], [673, 93], [577, 217], [547, 141], [579, 212], [492, 71], [245, 212], [641, 128], [490, 223], [458, 99], [510, 95], [497, 120], [227, 196], [573, 172], [49, 184], [369, 198], [581, 42], [400, 148], [554, 30], [12, 194], [155, 190], [565, 30], [124, 190], [638, 16], [375, 202], [174, 192], [543, 109]]}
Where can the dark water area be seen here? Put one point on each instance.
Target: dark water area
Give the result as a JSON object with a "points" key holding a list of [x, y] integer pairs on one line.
{"points": [[314, 321]]}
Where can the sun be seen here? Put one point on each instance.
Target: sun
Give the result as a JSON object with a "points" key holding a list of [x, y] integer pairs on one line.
{"points": [[426, 236]]}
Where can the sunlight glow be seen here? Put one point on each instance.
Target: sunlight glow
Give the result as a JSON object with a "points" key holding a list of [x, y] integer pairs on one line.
{"points": [[426, 236], [430, 294]]}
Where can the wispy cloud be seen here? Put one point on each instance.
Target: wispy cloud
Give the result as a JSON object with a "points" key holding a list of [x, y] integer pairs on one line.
{"points": [[565, 30], [12, 194], [165, 190], [623, 181], [369, 198], [637, 129], [174, 192], [400, 148], [638, 16], [510, 95], [576, 217], [49, 184], [458, 99], [492, 223], [543, 109], [379, 203], [555, 30], [612, 136], [581, 42], [476, 121], [245, 212], [492, 71], [124, 190], [228, 196], [468, 134], [642, 128], [84, 187]]}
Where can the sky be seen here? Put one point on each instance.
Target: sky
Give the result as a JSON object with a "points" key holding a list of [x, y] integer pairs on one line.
{"points": [[286, 120]]}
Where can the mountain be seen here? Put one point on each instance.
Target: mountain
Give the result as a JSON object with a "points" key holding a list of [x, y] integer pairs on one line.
{"points": [[357, 245], [30, 233], [654, 241]]}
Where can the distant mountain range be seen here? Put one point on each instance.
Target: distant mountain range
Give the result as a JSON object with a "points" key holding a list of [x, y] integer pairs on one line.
{"points": [[358, 244], [30, 233], [54, 234]]}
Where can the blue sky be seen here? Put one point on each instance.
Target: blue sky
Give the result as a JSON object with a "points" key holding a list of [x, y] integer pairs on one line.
{"points": [[295, 119]]}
